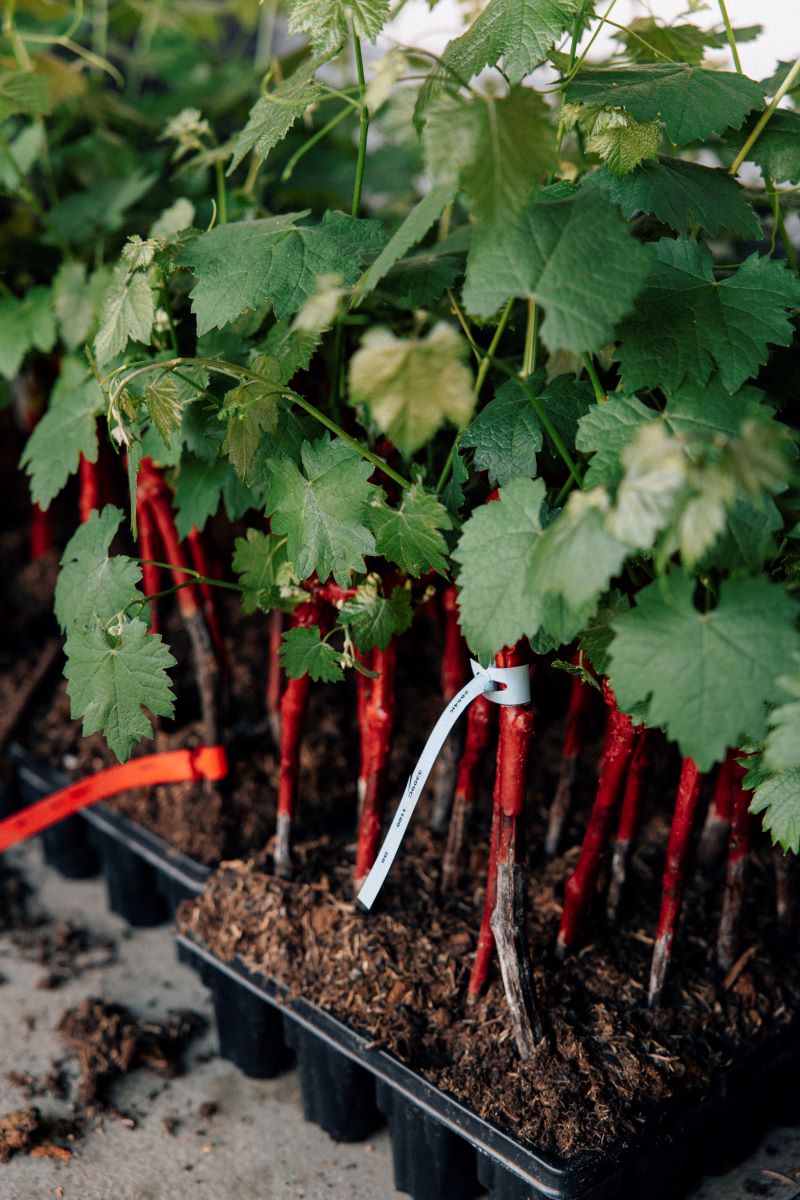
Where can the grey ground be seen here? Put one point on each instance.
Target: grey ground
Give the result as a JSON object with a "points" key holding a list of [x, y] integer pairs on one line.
{"points": [[257, 1145]]}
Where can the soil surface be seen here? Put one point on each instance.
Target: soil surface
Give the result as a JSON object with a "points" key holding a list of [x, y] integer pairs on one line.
{"points": [[608, 1069]]}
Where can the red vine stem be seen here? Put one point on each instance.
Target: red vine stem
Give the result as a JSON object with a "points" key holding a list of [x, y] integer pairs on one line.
{"points": [[630, 820], [294, 704], [577, 710], [736, 870], [274, 674], [149, 546], [88, 488], [454, 674], [508, 918], [480, 722], [674, 881], [717, 825], [582, 886], [376, 735]]}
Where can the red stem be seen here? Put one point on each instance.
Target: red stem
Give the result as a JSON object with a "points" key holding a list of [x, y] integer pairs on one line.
{"points": [[505, 840], [581, 888], [202, 563], [675, 871], [41, 532], [630, 819], [736, 871], [480, 721], [275, 674], [453, 676], [149, 546], [89, 488], [376, 738], [717, 825], [155, 494], [577, 710], [363, 693], [294, 704]]}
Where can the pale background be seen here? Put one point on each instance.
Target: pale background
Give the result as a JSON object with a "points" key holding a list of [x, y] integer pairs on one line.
{"points": [[420, 26]]}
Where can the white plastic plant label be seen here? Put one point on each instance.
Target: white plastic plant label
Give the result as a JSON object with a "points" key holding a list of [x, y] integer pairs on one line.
{"points": [[501, 685]]}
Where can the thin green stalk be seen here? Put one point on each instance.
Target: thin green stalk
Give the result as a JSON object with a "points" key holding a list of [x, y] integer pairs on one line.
{"points": [[465, 329], [363, 127], [547, 424], [124, 375], [780, 223], [726, 21], [222, 195], [480, 379], [173, 336], [358, 185], [765, 117], [531, 328], [315, 138], [599, 393], [196, 576], [577, 66]]}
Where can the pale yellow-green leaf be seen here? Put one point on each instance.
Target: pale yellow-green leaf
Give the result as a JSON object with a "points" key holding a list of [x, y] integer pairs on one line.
{"points": [[655, 472], [164, 405], [411, 386]]}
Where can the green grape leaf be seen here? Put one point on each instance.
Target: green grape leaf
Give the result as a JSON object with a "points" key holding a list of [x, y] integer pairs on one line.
{"points": [[782, 749], [290, 348], [692, 102], [165, 406], [67, 430], [576, 257], [411, 386], [498, 148], [93, 586], [747, 539], [598, 634], [687, 325], [25, 325], [706, 677], [304, 653], [274, 260], [420, 280], [645, 40], [263, 568], [506, 436], [198, 491], [777, 149], [453, 490], [776, 799], [253, 410], [682, 195], [274, 114], [494, 551], [614, 136], [410, 232], [373, 620], [113, 677], [520, 32], [327, 22], [323, 510], [128, 311], [576, 556], [410, 535], [604, 432], [77, 300], [566, 400], [23, 92]]}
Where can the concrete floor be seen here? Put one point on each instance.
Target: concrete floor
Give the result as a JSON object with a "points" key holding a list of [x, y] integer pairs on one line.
{"points": [[257, 1145]]}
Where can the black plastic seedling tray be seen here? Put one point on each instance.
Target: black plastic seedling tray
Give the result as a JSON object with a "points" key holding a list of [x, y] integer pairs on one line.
{"points": [[441, 1149], [444, 1151], [146, 878]]}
